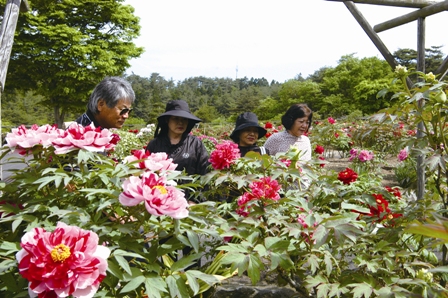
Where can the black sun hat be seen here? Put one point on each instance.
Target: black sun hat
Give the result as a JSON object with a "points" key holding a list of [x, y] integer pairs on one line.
{"points": [[178, 108], [244, 120]]}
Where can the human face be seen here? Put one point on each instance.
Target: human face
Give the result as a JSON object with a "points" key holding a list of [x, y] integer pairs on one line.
{"points": [[299, 127], [113, 117], [248, 136], [177, 126]]}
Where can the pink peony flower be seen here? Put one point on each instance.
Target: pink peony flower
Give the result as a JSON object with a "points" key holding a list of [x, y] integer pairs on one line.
{"points": [[151, 161], [403, 155], [265, 188], [287, 162], [161, 197], [23, 139], [66, 262], [88, 138], [331, 120], [224, 155], [365, 155]]}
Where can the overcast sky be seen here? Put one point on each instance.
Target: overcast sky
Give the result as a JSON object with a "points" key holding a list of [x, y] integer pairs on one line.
{"points": [[276, 40]]}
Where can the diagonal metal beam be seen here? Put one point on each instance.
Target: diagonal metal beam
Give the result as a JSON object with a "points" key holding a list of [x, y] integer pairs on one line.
{"points": [[398, 3], [415, 15], [373, 36], [442, 69]]}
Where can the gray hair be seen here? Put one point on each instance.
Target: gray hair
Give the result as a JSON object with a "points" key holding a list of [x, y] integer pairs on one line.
{"points": [[111, 90]]}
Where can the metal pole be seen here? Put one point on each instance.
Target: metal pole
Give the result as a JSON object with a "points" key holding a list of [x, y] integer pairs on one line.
{"points": [[421, 102]]}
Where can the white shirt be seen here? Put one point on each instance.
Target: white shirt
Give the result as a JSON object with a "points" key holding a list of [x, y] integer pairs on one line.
{"points": [[283, 141]]}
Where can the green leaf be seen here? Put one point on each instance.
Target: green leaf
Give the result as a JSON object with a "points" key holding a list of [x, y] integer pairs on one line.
{"points": [[430, 230], [261, 250], [177, 287], [207, 278], [322, 290], [237, 260], [361, 290], [194, 240], [254, 269], [154, 285], [192, 282], [346, 231], [313, 262], [328, 264], [16, 223], [185, 262], [133, 284], [114, 269], [355, 207], [123, 263], [232, 247], [282, 260]]}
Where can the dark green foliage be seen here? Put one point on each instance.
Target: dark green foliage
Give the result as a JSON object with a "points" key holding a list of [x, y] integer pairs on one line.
{"points": [[62, 49]]}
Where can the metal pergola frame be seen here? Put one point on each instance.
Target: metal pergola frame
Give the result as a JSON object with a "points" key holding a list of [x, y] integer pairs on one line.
{"points": [[424, 8]]}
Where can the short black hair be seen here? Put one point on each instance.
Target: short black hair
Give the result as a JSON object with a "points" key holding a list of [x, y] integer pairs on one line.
{"points": [[299, 110]]}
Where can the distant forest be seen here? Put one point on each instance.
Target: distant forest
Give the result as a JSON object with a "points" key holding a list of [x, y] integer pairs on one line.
{"points": [[350, 88]]}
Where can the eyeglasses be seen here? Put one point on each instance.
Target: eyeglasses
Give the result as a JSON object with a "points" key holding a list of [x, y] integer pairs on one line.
{"points": [[125, 111]]}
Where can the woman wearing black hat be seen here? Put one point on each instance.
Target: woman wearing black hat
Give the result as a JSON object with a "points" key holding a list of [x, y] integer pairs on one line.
{"points": [[247, 132], [173, 137]]}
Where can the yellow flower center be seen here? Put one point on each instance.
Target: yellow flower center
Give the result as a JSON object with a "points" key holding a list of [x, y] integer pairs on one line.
{"points": [[60, 253], [390, 216], [161, 188]]}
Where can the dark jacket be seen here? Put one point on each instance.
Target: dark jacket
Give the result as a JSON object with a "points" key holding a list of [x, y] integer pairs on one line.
{"points": [[255, 148], [86, 119], [189, 154]]}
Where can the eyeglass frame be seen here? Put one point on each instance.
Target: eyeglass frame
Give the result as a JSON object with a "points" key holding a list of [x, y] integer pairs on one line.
{"points": [[125, 111]]}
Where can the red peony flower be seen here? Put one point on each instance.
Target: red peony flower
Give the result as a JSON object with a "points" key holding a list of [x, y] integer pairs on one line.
{"points": [[66, 262], [88, 138], [395, 191], [268, 125], [322, 164], [319, 149], [265, 188], [382, 205], [331, 120], [224, 155], [160, 196], [347, 176]]}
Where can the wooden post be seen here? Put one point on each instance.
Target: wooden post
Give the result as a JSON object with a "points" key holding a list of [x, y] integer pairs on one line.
{"points": [[397, 3], [420, 127], [442, 69], [7, 31], [407, 18], [373, 36]]}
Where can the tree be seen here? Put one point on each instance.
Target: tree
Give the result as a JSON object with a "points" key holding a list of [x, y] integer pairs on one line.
{"points": [[408, 58], [62, 49], [207, 113]]}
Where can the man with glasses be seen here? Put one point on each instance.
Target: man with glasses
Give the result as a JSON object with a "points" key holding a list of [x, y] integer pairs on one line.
{"points": [[109, 104]]}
